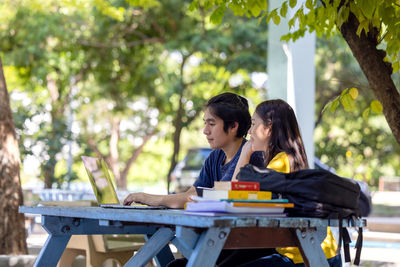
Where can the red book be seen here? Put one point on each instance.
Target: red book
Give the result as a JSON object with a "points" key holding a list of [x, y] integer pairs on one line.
{"points": [[237, 185]]}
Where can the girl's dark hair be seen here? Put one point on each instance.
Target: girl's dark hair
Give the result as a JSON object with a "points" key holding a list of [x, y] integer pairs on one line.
{"points": [[284, 134], [231, 108]]}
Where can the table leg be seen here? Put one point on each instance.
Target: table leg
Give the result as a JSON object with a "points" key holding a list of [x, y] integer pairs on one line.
{"points": [[165, 255], [52, 250], [151, 248], [310, 246], [208, 247]]}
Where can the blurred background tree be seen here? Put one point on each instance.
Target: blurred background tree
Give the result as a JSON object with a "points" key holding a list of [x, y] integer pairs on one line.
{"points": [[106, 78], [126, 80]]}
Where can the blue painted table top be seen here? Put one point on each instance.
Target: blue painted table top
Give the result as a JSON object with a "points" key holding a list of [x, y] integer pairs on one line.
{"points": [[179, 218]]}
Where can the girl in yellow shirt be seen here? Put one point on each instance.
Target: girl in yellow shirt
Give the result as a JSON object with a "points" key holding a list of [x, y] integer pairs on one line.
{"points": [[274, 130]]}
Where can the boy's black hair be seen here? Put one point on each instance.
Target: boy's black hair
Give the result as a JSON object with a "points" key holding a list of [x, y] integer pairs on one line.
{"points": [[231, 108]]}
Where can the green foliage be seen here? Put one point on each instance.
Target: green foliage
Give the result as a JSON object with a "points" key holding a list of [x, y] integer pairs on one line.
{"points": [[346, 98], [324, 19], [110, 11], [358, 143], [118, 61]]}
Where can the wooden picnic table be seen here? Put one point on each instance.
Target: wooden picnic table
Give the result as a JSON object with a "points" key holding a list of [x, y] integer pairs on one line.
{"points": [[199, 238]]}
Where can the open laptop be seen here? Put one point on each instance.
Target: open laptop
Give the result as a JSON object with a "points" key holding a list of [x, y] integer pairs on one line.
{"points": [[103, 187]]}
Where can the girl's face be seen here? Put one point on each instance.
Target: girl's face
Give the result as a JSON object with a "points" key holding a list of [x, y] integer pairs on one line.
{"points": [[214, 131], [259, 133]]}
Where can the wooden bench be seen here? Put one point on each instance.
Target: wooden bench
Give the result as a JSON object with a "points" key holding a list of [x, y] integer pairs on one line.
{"points": [[96, 248], [99, 248]]}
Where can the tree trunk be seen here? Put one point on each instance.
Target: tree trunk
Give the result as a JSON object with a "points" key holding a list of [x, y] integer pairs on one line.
{"points": [[176, 139], [12, 223], [113, 158], [178, 122], [58, 128], [377, 71], [132, 160]]}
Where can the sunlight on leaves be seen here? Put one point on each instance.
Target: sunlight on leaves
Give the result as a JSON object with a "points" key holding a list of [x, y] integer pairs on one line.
{"points": [[353, 92], [218, 14], [376, 107], [365, 113], [347, 102]]}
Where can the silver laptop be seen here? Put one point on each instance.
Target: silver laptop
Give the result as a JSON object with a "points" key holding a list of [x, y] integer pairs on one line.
{"points": [[103, 187]]}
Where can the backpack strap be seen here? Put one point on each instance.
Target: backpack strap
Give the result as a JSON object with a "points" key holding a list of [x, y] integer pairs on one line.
{"points": [[346, 245], [340, 235], [358, 246], [345, 238]]}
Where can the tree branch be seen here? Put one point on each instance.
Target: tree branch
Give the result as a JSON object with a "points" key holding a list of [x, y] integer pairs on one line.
{"points": [[119, 45], [94, 147], [136, 154], [377, 71]]}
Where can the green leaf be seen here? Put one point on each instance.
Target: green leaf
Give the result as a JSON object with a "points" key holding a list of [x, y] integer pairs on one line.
{"points": [[353, 92], [367, 7], [336, 3], [272, 15], [364, 25], [284, 9], [344, 92], [376, 107], [237, 9], [193, 6], [347, 102], [256, 6], [396, 66], [365, 113], [355, 10], [276, 19], [292, 3], [335, 103], [292, 22], [109, 10], [260, 19], [331, 105], [218, 14], [309, 4], [327, 106], [343, 15]]}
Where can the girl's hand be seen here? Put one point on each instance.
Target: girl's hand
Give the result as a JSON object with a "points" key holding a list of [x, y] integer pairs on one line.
{"points": [[247, 150]]}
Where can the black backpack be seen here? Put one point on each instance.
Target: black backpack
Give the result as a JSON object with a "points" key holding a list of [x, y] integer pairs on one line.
{"points": [[315, 193]]}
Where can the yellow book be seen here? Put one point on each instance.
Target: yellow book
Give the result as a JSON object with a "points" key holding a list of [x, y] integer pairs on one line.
{"points": [[236, 194]]}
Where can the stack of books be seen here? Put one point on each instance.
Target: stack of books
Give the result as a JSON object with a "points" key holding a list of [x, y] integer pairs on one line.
{"points": [[236, 197]]}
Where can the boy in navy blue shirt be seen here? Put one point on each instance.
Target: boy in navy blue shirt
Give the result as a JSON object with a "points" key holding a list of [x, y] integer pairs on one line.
{"points": [[227, 120]]}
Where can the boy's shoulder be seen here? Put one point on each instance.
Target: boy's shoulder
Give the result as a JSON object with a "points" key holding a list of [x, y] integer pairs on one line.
{"points": [[216, 154]]}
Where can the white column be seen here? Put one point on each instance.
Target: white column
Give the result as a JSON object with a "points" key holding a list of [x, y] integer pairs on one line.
{"points": [[291, 76]]}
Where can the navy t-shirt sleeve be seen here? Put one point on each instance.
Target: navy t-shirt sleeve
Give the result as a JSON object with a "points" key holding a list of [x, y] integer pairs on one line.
{"points": [[206, 174]]}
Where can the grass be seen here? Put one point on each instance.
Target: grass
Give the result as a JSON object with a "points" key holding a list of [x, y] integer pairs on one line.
{"points": [[385, 211]]}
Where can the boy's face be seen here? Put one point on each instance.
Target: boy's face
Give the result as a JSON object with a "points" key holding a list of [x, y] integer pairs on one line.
{"points": [[214, 131]]}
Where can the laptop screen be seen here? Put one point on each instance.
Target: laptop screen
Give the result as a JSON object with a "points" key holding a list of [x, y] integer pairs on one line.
{"points": [[100, 178]]}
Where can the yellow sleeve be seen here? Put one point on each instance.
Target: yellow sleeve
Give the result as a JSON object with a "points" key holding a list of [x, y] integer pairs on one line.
{"points": [[280, 163]]}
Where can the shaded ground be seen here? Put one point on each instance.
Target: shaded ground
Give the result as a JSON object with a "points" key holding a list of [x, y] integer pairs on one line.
{"points": [[381, 210]]}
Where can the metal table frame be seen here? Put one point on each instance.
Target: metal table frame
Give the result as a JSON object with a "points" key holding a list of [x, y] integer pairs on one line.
{"points": [[199, 238]]}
